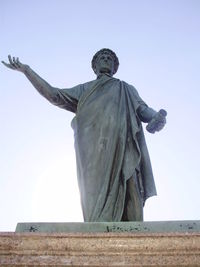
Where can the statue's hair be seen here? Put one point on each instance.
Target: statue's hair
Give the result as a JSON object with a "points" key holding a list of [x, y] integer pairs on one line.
{"points": [[102, 51]]}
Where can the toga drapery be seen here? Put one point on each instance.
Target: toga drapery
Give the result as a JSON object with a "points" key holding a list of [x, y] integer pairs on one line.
{"points": [[109, 143]]}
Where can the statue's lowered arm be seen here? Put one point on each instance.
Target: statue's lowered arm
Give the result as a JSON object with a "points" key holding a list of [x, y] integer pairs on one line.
{"points": [[156, 120]]}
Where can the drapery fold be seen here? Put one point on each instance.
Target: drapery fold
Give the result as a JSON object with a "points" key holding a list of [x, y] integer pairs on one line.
{"points": [[110, 145]]}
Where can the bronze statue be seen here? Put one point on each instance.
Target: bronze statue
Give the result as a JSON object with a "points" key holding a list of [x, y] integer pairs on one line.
{"points": [[113, 166]]}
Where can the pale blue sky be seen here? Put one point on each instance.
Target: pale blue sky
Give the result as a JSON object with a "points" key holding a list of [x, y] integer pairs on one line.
{"points": [[157, 43]]}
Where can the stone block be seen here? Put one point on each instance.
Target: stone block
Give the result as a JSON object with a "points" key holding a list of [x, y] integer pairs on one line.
{"points": [[109, 248]]}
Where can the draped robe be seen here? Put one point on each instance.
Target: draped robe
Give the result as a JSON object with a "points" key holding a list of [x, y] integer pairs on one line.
{"points": [[109, 143]]}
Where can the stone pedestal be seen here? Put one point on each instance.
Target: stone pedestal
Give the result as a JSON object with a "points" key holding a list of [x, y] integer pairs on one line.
{"points": [[100, 249]]}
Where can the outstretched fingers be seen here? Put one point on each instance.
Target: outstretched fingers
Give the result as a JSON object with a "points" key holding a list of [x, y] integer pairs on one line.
{"points": [[10, 59], [6, 64], [11, 65], [16, 62]]}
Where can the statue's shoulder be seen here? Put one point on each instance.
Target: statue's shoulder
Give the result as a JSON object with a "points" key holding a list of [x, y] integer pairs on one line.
{"points": [[89, 84], [129, 87]]}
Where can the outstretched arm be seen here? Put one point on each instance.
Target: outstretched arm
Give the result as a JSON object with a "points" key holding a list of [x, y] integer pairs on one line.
{"points": [[41, 85]]}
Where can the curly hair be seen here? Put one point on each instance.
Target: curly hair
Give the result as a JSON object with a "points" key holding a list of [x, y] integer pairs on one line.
{"points": [[111, 53]]}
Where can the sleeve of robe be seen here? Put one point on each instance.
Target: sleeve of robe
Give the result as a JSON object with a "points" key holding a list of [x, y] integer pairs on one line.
{"points": [[144, 112], [67, 98]]}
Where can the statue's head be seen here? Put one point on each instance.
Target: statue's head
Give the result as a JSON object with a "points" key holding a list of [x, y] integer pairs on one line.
{"points": [[105, 61]]}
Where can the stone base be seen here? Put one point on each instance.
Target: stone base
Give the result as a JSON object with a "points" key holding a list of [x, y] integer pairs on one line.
{"points": [[107, 227], [100, 249]]}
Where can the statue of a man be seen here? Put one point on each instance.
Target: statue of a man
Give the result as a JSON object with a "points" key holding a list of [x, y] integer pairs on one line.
{"points": [[113, 166]]}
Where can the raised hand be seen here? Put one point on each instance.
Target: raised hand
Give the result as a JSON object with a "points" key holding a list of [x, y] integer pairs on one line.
{"points": [[15, 64]]}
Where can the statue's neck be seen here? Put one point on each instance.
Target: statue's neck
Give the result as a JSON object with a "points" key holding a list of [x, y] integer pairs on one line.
{"points": [[100, 75]]}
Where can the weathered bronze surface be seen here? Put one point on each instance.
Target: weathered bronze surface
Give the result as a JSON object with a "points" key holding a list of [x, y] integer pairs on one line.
{"points": [[113, 166]]}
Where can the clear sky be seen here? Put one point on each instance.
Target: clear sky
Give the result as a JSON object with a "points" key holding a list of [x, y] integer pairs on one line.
{"points": [[157, 43]]}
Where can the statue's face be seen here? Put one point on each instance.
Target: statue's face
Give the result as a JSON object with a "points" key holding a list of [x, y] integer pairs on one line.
{"points": [[105, 64]]}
